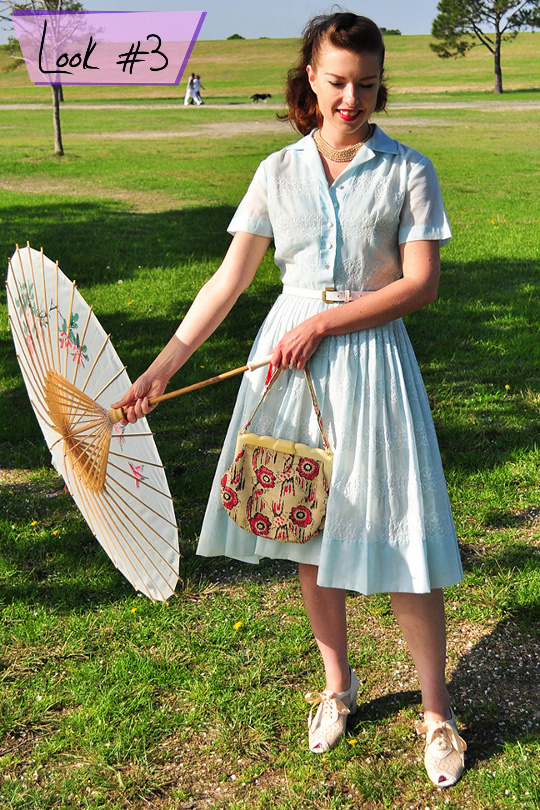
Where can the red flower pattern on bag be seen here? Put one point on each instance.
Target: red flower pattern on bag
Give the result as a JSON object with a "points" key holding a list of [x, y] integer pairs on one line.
{"points": [[308, 468], [265, 477], [228, 497], [260, 524], [301, 516]]}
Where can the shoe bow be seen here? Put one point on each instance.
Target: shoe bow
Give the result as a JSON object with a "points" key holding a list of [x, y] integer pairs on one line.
{"points": [[331, 705], [440, 734]]}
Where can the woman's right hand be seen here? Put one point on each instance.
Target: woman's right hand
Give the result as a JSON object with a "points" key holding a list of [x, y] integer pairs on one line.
{"points": [[136, 401]]}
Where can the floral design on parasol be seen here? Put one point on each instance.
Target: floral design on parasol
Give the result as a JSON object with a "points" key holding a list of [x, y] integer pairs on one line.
{"points": [[72, 373]]}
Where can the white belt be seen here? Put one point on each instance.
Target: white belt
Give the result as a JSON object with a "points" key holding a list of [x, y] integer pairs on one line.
{"points": [[329, 295]]}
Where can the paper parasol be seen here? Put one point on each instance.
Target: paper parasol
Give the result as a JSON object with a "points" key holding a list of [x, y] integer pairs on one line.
{"points": [[72, 374]]}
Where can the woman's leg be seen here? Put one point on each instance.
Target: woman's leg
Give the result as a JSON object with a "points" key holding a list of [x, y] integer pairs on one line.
{"points": [[326, 612], [421, 618]]}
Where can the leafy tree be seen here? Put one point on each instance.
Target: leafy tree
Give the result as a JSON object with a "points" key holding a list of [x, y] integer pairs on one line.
{"points": [[7, 7], [460, 26]]}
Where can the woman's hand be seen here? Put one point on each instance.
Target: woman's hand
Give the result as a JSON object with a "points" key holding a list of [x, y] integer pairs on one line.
{"points": [[135, 402], [296, 346]]}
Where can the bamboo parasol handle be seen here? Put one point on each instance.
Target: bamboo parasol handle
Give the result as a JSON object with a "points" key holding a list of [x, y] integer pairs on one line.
{"points": [[116, 414]]}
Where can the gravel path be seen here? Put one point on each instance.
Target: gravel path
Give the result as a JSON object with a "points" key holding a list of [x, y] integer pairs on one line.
{"points": [[489, 106]]}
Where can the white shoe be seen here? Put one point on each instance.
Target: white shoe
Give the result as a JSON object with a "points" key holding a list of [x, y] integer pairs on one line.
{"points": [[328, 726], [444, 755]]}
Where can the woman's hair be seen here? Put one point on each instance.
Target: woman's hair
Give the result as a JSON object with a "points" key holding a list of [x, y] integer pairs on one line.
{"points": [[342, 30]]}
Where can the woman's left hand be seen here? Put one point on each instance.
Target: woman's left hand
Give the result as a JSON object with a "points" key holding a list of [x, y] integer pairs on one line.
{"points": [[296, 346]]}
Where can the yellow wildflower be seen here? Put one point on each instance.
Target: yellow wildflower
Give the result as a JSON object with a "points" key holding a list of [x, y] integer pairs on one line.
{"points": [[133, 610], [237, 625], [352, 741], [34, 523], [507, 387], [55, 532]]}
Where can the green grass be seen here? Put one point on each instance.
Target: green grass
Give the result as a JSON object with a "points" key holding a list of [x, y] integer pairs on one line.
{"points": [[109, 701]]}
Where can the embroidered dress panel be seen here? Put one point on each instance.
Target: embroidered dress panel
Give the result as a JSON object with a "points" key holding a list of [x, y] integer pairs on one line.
{"points": [[388, 522]]}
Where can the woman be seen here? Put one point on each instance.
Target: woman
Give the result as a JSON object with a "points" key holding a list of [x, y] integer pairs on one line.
{"points": [[196, 90], [189, 96], [350, 209]]}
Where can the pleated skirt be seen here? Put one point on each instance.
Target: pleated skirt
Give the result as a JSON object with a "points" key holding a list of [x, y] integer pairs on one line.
{"points": [[388, 524]]}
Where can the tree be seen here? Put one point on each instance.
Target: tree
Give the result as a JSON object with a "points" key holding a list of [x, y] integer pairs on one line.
{"points": [[6, 11], [460, 25]]}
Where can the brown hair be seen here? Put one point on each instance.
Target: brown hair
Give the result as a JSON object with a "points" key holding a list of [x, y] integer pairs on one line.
{"points": [[342, 30]]}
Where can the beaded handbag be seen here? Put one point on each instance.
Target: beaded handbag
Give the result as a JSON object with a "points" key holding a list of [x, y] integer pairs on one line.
{"points": [[276, 488]]}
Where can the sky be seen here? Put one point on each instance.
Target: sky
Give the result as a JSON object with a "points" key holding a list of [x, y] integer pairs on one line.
{"points": [[277, 18]]}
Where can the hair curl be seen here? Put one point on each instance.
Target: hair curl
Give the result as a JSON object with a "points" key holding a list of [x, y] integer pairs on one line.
{"points": [[342, 30]]}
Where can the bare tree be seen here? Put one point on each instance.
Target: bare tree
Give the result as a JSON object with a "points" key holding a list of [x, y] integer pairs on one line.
{"points": [[460, 25], [7, 7]]}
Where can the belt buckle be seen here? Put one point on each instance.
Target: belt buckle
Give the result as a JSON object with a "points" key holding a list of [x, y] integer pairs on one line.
{"points": [[326, 290]]}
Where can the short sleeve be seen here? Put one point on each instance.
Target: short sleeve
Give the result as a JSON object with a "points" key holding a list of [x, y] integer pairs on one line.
{"points": [[252, 214], [423, 215]]}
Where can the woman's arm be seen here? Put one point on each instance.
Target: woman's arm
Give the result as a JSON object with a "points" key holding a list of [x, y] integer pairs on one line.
{"points": [[417, 287], [212, 303]]}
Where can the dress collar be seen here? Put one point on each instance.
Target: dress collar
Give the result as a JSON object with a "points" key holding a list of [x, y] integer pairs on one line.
{"points": [[379, 142]]}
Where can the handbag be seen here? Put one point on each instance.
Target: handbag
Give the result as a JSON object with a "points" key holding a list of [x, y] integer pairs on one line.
{"points": [[276, 488]]}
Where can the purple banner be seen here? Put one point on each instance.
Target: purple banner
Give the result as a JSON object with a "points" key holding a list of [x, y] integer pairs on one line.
{"points": [[107, 47]]}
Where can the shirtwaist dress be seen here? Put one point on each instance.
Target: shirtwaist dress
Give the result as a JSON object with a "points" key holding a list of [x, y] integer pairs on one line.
{"points": [[388, 523]]}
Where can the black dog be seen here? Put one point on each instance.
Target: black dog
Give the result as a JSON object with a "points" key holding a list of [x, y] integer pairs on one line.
{"points": [[261, 97]]}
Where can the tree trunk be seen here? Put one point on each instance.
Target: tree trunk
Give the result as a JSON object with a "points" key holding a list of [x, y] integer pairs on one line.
{"points": [[497, 62], [56, 91]]}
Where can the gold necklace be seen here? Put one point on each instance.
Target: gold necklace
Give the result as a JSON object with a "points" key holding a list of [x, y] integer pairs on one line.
{"points": [[341, 155]]}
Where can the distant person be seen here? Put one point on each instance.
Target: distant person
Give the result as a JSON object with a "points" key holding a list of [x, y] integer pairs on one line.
{"points": [[357, 219], [189, 97], [196, 90]]}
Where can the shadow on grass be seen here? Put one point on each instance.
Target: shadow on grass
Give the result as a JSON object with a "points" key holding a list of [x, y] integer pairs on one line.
{"points": [[59, 566], [518, 91], [495, 692], [98, 242]]}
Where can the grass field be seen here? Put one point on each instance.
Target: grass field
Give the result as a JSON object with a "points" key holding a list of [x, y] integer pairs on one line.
{"points": [[109, 701], [233, 70]]}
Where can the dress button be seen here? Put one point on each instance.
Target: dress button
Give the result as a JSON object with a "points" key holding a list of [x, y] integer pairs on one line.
{"points": [[326, 266], [335, 204], [330, 224]]}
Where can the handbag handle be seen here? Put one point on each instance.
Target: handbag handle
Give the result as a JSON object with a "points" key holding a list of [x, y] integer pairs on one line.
{"points": [[268, 386]]}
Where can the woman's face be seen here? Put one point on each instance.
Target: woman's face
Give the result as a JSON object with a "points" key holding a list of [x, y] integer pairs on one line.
{"points": [[346, 85]]}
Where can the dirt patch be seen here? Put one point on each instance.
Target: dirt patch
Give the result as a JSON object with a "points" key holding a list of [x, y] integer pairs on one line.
{"points": [[224, 130], [240, 128], [484, 106], [139, 201]]}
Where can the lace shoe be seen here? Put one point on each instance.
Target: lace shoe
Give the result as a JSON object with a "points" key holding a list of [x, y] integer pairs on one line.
{"points": [[444, 754], [328, 725]]}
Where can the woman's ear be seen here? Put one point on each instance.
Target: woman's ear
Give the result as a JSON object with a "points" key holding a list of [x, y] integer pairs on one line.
{"points": [[311, 77]]}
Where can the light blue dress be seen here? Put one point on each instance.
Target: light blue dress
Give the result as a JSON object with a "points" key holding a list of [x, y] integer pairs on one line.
{"points": [[388, 524]]}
